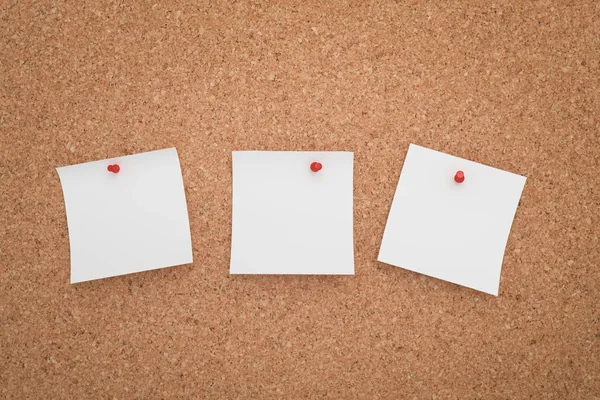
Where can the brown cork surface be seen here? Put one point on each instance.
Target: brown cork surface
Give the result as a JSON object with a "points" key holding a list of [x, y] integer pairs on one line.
{"points": [[515, 85]]}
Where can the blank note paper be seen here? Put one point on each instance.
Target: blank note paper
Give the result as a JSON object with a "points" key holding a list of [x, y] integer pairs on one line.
{"points": [[131, 221], [448, 230], [288, 219]]}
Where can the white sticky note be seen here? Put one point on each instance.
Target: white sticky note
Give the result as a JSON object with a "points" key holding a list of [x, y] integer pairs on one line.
{"points": [[452, 231], [135, 220], [288, 219]]}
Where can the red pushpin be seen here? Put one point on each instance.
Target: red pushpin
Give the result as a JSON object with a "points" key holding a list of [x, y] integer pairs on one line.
{"points": [[316, 166], [114, 168], [459, 177]]}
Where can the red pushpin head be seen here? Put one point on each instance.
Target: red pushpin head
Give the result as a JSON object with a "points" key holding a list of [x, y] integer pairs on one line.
{"points": [[114, 168], [316, 166], [459, 177]]}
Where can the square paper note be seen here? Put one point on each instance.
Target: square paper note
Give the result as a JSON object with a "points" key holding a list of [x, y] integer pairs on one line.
{"points": [[130, 221], [452, 231], [288, 219]]}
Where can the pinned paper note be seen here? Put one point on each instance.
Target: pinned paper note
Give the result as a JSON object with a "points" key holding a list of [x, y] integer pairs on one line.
{"points": [[292, 213], [450, 219], [126, 214]]}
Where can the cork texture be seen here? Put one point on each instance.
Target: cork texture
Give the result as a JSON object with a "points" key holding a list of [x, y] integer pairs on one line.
{"points": [[515, 85]]}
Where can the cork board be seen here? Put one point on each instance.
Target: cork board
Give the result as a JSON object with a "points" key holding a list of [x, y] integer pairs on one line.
{"points": [[512, 84]]}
